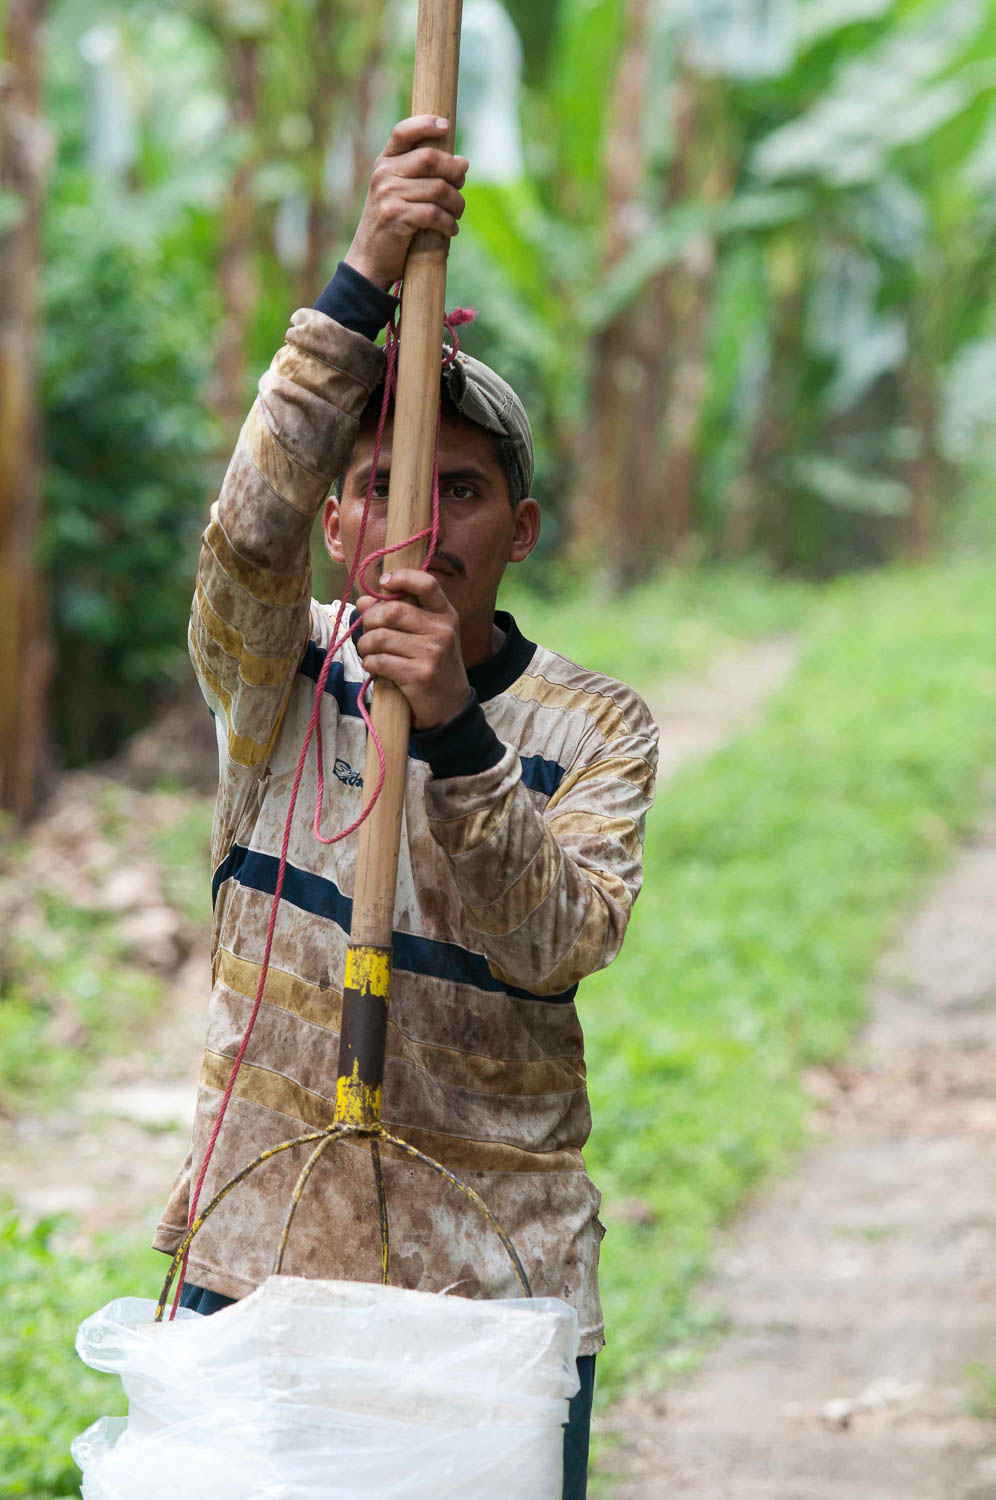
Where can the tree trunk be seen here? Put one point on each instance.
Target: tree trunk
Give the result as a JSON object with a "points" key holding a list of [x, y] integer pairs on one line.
{"points": [[236, 272], [759, 508], [327, 217], [924, 471], [25, 653], [670, 336], [664, 518], [617, 377], [664, 504], [326, 82], [636, 498]]}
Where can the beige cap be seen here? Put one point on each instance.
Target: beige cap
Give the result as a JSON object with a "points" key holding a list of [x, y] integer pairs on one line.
{"points": [[483, 397]]}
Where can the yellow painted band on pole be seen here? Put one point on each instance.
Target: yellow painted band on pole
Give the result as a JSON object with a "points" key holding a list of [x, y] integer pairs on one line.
{"points": [[357, 1103], [368, 970]]}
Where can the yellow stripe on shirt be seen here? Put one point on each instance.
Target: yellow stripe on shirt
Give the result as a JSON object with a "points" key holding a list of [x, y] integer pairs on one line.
{"points": [[289, 480], [264, 585], [610, 768], [588, 826], [597, 706], [274, 1091], [257, 671], [448, 1065], [242, 748], [514, 906]]}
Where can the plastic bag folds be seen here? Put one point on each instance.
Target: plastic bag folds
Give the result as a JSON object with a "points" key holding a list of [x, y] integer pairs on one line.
{"points": [[333, 1390]]}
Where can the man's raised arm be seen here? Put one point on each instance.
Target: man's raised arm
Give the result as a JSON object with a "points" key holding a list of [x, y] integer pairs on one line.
{"points": [[251, 612], [250, 619]]}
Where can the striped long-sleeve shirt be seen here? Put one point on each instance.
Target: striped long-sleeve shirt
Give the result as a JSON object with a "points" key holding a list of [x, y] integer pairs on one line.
{"points": [[514, 883]]}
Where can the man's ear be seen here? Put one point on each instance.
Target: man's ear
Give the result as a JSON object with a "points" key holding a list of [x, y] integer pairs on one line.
{"points": [[525, 529], [330, 530]]}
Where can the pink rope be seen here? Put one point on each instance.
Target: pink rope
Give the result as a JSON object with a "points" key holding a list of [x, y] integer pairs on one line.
{"points": [[358, 569]]}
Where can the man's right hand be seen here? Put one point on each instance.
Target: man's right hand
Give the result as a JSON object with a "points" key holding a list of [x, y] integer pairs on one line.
{"points": [[413, 186]]}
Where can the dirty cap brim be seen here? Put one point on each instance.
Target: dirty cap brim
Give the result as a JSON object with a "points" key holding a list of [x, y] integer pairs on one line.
{"points": [[480, 395]]}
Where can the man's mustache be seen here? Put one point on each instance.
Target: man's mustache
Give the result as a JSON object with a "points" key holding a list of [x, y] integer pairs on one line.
{"points": [[440, 555], [451, 560]]}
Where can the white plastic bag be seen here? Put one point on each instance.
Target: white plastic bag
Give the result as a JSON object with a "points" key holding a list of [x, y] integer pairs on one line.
{"points": [[333, 1390]]}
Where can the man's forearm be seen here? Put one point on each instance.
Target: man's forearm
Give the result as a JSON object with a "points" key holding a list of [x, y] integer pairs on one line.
{"points": [[250, 619]]}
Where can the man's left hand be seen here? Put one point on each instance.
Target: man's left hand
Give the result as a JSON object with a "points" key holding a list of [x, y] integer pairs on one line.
{"points": [[414, 642]]}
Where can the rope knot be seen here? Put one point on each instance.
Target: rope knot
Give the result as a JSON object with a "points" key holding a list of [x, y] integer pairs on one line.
{"points": [[451, 322]]}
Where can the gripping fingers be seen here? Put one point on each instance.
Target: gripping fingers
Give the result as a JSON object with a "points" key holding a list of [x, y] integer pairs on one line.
{"points": [[430, 216], [403, 671], [407, 133], [393, 174], [430, 162], [418, 585], [390, 643], [393, 614], [435, 190]]}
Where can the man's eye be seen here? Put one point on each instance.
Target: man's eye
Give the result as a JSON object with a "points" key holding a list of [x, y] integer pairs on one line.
{"points": [[461, 491], [380, 489]]}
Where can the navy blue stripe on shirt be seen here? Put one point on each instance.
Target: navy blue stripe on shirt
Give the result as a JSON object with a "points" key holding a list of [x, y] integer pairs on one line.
{"points": [[323, 898], [538, 774], [541, 775], [346, 694]]}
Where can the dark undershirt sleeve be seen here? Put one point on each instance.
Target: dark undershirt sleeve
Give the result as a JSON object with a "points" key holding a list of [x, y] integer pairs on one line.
{"points": [[356, 303], [463, 746]]}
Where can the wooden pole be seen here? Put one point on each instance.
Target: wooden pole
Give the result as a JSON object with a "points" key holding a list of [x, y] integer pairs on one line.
{"points": [[366, 986]]}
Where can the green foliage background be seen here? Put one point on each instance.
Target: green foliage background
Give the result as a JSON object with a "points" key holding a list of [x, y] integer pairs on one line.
{"points": [[129, 444], [841, 180]]}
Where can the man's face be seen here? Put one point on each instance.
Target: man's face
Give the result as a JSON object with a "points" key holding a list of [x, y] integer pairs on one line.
{"points": [[480, 532]]}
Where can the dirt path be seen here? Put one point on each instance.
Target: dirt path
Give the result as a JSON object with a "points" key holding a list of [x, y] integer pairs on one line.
{"points": [[111, 1155], [698, 714], [859, 1291], [112, 1150]]}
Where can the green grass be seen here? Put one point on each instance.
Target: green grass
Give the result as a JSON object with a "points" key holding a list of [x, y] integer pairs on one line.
{"points": [[672, 624], [774, 873], [68, 996], [182, 850], [47, 1396], [980, 1395]]}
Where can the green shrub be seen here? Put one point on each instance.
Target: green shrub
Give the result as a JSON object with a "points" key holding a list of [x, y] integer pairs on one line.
{"points": [[47, 1396], [127, 440]]}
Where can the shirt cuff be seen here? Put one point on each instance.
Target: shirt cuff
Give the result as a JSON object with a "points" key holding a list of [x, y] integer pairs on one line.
{"points": [[463, 746], [356, 303]]}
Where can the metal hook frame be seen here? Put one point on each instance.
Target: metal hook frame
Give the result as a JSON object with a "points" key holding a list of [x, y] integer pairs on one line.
{"points": [[321, 1140]]}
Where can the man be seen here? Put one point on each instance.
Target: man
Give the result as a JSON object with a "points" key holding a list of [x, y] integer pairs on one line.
{"points": [[527, 786]]}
